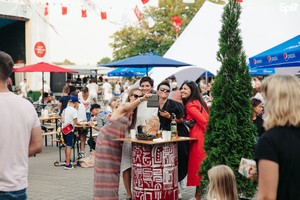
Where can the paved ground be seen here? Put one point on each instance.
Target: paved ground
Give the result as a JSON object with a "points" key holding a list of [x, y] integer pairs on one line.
{"points": [[47, 182]]}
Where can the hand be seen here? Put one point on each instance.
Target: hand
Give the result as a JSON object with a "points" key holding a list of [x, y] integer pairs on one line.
{"points": [[165, 114], [145, 97]]}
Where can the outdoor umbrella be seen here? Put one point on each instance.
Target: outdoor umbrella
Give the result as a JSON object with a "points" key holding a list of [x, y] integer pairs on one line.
{"points": [[43, 67], [128, 72], [146, 60]]}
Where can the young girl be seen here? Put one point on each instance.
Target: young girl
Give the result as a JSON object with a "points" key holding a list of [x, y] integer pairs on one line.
{"points": [[222, 184]]}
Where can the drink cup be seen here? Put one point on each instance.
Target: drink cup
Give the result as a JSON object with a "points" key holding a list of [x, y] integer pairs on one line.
{"points": [[132, 133], [166, 135]]}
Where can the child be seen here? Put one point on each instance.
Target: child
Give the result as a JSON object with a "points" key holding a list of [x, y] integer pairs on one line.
{"points": [[222, 184]]}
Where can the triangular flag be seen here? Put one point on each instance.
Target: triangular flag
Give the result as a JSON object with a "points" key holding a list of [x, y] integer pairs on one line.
{"points": [[64, 10], [240, 1], [176, 21], [103, 15], [145, 1], [46, 11], [83, 13], [138, 13]]}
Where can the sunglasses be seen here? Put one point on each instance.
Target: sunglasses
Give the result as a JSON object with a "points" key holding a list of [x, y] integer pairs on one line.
{"points": [[164, 90], [136, 96]]}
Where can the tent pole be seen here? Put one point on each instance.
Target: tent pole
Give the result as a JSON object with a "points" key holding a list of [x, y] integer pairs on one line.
{"points": [[42, 87]]}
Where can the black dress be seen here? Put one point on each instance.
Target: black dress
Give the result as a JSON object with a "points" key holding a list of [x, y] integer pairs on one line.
{"points": [[177, 108], [259, 125]]}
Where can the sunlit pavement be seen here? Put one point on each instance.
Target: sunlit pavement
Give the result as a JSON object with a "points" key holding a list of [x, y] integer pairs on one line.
{"points": [[47, 182]]}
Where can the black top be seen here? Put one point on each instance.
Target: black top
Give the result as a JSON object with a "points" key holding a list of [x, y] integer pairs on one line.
{"points": [[259, 125], [64, 101], [282, 145]]}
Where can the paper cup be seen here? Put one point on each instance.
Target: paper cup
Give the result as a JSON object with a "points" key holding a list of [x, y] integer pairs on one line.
{"points": [[132, 133], [166, 135]]}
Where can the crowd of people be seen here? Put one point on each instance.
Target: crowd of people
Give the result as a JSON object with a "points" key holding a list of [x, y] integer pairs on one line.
{"points": [[275, 114]]}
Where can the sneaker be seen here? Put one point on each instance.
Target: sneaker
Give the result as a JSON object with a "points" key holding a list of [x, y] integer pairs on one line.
{"points": [[81, 155], [68, 167]]}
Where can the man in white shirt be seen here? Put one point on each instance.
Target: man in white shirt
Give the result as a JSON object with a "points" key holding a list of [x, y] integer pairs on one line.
{"points": [[24, 87], [82, 131], [107, 91], [20, 133]]}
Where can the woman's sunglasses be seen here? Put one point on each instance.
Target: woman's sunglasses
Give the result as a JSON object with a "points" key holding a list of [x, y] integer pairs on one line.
{"points": [[136, 96]]}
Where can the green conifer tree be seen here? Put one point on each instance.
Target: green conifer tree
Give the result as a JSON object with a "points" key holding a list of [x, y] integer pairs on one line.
{"points": [[230, 134]]}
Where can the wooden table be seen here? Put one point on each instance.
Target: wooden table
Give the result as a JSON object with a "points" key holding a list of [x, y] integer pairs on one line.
{"points": [[155, 168], [50, 117]]}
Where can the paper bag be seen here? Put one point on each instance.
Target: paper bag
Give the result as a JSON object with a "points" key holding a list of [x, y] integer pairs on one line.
{"points": [[248, 168]]}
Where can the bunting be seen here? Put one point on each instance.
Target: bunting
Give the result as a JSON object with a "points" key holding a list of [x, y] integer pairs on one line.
{"points": [[103, 15], [64, 10], [137, 12], [145, 1], [83, 13], [46, 11]]}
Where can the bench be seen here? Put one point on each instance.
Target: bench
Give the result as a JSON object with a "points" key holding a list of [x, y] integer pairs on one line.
{"points": [[51, 133]]}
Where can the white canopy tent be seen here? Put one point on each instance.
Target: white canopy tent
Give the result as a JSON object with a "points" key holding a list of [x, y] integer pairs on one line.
{"points": [[263, 24]]}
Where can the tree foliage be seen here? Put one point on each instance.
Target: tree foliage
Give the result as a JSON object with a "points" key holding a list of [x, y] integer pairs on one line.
{"points": [[134, 40], [65, 62], [230, 134], [104, 60]]}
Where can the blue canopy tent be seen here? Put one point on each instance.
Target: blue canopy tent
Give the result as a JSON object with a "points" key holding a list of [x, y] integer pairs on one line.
{"points": [[261, 71], [286, 54], [128, 72], [146, 60]]}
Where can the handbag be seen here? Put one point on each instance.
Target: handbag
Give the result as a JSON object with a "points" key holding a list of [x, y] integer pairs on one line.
{"points": [[67, 129], [189, 123]]}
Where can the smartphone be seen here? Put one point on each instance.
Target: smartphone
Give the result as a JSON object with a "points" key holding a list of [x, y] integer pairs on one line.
{"points": [[152, 101]]}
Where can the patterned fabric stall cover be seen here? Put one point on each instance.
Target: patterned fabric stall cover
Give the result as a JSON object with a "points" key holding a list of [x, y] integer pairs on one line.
{"points": [[155, 171]]}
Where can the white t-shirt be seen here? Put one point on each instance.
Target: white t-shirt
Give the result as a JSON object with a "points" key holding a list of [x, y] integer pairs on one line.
{"points": [[93, 88], [88, 102], [69, 114], [81, 113], [17, 119], [107, 90]]}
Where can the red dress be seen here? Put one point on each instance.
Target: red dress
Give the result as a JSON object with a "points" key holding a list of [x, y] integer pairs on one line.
{"points": [[195, 111]]}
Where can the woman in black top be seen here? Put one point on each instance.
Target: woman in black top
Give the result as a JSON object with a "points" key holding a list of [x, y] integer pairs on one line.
{"points": [[278, 150], [256, 115]]}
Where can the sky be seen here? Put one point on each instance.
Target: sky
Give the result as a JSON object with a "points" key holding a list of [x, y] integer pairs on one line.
{"points": [[86, 40]]}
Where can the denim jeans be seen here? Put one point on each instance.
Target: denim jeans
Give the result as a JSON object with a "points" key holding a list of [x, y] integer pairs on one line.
{"points": [[16, 195]]}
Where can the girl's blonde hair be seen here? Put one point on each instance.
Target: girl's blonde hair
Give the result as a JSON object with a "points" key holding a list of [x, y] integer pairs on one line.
{"points": [[222, 184], [282, 104]]}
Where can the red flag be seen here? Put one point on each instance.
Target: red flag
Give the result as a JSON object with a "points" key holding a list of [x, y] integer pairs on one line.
{"points": [[103, 15], [176, 21], [46, 9], [64, 10], [145, 1], [138, 13], [240, 1], [83, 13]]}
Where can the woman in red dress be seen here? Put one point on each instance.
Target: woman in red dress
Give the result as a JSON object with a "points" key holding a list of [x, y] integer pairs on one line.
{"points": [[195, 109]]}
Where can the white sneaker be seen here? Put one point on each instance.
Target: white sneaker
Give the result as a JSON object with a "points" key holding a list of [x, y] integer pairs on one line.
{"points": [[179, 195]]}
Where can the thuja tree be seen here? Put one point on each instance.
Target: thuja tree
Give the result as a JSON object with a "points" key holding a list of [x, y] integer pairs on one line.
{"points": [[230, 134]]}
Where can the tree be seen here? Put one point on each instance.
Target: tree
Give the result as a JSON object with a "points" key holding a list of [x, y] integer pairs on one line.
{"points": [[65, 62], [104, 60], [230, 134], [134, 40]]}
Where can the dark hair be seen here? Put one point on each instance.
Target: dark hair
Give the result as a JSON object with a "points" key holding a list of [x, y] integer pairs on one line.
{"points": [[255, 102], [147, 79], [195, 94], [134, 112], [163, 83], [6, 65], [85, 89]]}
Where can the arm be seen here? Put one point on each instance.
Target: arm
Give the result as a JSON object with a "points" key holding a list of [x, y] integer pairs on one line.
{"points": [[36, 142], [267, 180], [194, 110]]}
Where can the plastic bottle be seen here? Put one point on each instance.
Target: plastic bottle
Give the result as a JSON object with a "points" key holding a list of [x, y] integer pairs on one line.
{"points": [[173, 127]]}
